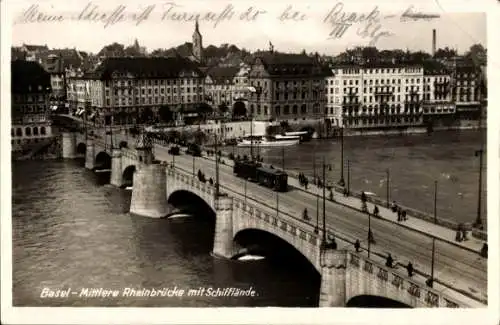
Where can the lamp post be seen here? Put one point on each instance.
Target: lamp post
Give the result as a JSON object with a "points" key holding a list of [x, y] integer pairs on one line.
{"points": [[430, 281], [341, 181], [216, 168], [283, 168], [387, 179], [324, 198], [435, 201], [193, 165], [348, 176], [257, 90], [479, 223], [369, 233]]}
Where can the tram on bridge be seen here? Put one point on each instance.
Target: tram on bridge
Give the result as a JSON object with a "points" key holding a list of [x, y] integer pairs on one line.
{"points": [[269, 177]]}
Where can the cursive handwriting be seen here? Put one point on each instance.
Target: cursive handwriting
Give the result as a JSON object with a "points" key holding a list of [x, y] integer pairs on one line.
{"points": [[411, 15], [370, 24], [293, 15]]}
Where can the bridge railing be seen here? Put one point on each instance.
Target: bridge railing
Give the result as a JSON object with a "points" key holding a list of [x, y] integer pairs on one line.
{"points": [[426, 295], [308, 228]]}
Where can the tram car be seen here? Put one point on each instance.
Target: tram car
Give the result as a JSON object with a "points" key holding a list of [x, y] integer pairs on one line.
{"points": [[246, 169], [272, 178]]}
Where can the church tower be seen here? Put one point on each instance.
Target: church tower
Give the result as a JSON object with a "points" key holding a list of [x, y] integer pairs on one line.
{"points": [[197, 43]]}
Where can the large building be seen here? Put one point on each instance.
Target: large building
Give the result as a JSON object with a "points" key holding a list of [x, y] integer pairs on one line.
{"points": [[438, 105], [134, 90], [377, 95], [287, 87], [220, 85], [467, 91], [31, 90]]}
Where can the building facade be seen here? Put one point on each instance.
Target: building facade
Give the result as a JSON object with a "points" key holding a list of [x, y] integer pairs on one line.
{"points": [[220, 86], [438, 105], [286, 87], [31, 90], [136, 90], [467, 91], [377, 95]]}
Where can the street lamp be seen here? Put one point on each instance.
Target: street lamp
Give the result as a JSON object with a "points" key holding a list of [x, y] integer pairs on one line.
{"points": [[283, 168], [430, 281], [193, 165], [256, 90], [370, 235], [387, 176], [216, 168], [324, 198], [341, 181], [348, 176], [479, 223], [435, 201]]}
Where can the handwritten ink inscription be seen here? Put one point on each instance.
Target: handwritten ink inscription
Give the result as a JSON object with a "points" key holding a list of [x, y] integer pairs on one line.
{"points": [[370, 25]]}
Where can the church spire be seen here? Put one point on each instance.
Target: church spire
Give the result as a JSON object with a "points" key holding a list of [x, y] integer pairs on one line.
{"points": [[196, 26]]}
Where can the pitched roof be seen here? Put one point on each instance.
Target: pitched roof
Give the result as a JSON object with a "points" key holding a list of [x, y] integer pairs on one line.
{"points": [[289, 64], [433, 67], [146, 67], [36, 47], [26, 76], [222, 74]]}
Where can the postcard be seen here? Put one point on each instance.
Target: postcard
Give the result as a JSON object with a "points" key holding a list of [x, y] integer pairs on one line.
{"points": [[252, 162]]}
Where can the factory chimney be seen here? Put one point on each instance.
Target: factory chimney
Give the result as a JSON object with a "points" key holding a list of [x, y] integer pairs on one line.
{"points": [[433, 42]]}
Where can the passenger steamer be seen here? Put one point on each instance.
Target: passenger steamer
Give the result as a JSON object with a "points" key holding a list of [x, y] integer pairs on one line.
{"points": [[269, 141]]}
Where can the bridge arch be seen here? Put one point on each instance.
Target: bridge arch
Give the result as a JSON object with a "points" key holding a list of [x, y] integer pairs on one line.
{"points": [[81, 148], [276, 248], [372, 301], [128, 175], [192, 203], [103, 160]]}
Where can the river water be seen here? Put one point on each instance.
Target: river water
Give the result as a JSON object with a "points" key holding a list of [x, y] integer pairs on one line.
{"points": [[414, 163], [72, 231]]}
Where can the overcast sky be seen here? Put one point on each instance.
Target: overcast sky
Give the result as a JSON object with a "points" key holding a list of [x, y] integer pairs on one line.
{"points": [[457, 30]]}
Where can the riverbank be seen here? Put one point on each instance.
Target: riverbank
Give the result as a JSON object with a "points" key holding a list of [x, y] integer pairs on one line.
{"points": [[374, 199]]}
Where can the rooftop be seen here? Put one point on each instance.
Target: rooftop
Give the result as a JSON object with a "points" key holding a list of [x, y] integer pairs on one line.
{"points": [[222, 74], [146, 67], [28, 76]]}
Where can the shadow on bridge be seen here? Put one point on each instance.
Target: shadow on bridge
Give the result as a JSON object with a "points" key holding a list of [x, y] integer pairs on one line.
{"points": [[102, 161], [128, 176], [188, 202], [368, 301]]}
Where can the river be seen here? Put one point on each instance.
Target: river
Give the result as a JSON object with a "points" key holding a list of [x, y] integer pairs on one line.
{"points": [[73, 231], [414, 163]]}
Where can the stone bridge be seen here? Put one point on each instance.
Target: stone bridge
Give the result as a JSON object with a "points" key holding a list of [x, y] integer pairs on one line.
{"points": [[344, 274], [121, 159]]}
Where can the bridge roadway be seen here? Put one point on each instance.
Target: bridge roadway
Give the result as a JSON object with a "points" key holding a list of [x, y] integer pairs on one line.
{"points": [[455, 267]]}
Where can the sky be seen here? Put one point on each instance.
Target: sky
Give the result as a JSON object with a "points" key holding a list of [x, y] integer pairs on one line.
{"points": [[455, 28]]}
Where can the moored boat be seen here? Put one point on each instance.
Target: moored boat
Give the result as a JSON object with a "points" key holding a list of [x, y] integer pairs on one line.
{"points": [[268, 142]]}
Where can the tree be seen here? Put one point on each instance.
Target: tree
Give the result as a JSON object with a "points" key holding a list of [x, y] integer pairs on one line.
{"points": [[477, 53], [445, 53]]}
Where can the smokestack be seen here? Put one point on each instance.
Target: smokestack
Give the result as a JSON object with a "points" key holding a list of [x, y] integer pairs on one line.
{"points": [[433, 42]]}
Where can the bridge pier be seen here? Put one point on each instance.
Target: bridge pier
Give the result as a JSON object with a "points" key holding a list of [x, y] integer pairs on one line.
{"points": [[116, 168], [68, 145], [90, 154], [149, 194], [333, 278], [223, 238]]}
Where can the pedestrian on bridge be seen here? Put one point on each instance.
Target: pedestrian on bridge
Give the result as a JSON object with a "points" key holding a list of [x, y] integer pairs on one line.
{"points": [[409, 267], [375, 211], [389, 261], [357, 245]]}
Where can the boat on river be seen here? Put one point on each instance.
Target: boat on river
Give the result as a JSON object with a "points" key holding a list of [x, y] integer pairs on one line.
{"points": [[269, 141]]}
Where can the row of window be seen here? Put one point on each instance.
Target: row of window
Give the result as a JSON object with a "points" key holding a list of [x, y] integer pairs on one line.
{"points": [[286, 109], [382, 70], [120, 101], [377, 121], [155, 82], [28, 131]]}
